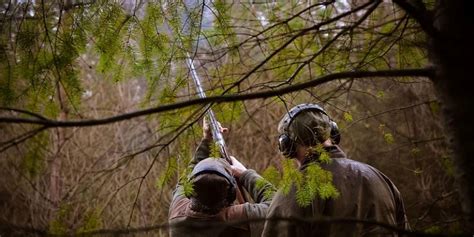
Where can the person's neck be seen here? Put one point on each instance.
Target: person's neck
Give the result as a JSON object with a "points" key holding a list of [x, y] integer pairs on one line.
{"points": [[304, 152]]}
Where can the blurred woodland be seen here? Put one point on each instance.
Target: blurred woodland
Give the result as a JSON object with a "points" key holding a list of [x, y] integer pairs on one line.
{"points": [[99, 116]]}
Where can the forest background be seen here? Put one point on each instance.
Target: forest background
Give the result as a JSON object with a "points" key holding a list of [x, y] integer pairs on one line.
{"points": [[99, 116]]}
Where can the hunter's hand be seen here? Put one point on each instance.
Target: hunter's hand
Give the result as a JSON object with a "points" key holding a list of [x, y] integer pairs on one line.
{"points": [[237, 167], [207, 132]]}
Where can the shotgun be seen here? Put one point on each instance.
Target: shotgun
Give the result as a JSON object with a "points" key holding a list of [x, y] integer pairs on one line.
{"points": [[216, 132], [215, 128]]}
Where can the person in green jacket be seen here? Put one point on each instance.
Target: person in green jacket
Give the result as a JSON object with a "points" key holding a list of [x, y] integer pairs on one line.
{"points": [[365, 193], [211, 209]]}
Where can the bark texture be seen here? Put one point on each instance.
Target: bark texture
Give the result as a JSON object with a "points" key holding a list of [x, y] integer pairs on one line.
{"points": [[452, 52]]}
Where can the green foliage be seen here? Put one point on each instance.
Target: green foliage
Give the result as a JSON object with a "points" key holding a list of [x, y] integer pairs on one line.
{"points": [[321, 152], [325, 12], [58, 225], [415, 152], [410, 56], [272, 175], [43, 53], [429, 4], [110, 27], [229, 112], [222, 32], [348, 117], [388, 137], [448, 164], [318, 183], [380, 94], [260, 183], [435, 229], [36, 53], [435, 107], [167, 95], [71, 84], [291, 176], [155, 54], [388, 27], [169, 122], [215, 150], [188, 187], [168, 174], [324, 158], [34, 160], [92, 221], [314, 182], [7, 93]]}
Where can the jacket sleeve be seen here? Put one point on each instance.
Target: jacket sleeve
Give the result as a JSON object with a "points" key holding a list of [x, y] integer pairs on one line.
{"points": [[259, 188], [262, 193], [202, 152], [285, 206], [400, 213], [401, 216]]}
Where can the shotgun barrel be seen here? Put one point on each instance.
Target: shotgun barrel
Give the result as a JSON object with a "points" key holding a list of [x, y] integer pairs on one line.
{"points": [[215, 128]]}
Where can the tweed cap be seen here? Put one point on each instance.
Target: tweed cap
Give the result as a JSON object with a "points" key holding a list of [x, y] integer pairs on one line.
{"points": [[308, 128]]}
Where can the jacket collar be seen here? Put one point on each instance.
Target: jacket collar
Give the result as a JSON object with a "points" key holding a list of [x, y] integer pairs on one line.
{"points": [[334, 152]]}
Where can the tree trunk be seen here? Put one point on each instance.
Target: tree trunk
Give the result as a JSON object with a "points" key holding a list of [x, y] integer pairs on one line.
{"points": [[452, 54], [58, 142]]}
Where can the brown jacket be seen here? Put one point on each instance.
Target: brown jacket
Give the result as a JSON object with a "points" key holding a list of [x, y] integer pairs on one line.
{"points": [[186, 222], [365, 194]]}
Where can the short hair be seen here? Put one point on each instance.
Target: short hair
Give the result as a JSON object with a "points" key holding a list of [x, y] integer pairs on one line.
{"points": [[310, 128], [210, 193]]}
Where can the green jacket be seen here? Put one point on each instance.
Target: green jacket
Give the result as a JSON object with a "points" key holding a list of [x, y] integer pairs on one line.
{"points": [[186, 222], [365, 194]]}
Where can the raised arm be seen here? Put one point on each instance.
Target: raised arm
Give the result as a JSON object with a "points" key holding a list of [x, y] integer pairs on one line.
{"points": [[260, 189]]}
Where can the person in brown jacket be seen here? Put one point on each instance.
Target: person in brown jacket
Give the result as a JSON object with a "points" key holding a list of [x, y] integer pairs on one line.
{"points": [[365, 193], [210, 210]]}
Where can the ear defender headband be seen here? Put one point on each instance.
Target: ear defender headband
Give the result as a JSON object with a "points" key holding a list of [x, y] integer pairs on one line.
{"points": [[211, 166], [286, 144]]}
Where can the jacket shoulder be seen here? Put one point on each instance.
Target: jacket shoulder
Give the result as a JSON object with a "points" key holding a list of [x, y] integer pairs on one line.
{"points": [[178, 208]]}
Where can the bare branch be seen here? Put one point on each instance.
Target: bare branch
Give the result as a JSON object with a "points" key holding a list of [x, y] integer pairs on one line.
{"points": [[421, 15], [419, 72], [325, 221], [21, 138], [302, 32]]}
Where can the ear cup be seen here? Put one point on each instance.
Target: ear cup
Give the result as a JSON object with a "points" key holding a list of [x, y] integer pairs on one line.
{"points": [[286, 146], [231, 194], [335, 134]]}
